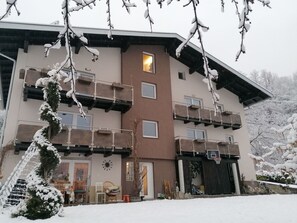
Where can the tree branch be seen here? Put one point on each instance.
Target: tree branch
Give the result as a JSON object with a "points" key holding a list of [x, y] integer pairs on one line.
{"points": [[10, 4]]}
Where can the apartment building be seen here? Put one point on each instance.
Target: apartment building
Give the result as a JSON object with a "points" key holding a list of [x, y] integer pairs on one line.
{"points": [[142, 103]]}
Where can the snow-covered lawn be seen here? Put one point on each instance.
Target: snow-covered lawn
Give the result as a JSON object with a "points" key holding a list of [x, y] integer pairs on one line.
{"points": [[242, 209]]}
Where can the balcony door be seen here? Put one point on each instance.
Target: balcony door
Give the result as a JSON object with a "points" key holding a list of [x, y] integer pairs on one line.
{"points": [[72, 172], [146, 170]]}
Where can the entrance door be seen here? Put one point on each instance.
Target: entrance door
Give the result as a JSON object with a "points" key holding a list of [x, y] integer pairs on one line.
{"points": [[146, 170], [217, 177]]}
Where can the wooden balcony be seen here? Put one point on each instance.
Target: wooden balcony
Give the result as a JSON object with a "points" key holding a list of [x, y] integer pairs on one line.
{"points": [[205, 116], [70, 140], [93, 94], [199, 147]]}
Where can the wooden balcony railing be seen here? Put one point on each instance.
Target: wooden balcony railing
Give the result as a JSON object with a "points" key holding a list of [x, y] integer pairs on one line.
{"points": [[109, 96], [200, 147], [205, 116], [80, 140]]}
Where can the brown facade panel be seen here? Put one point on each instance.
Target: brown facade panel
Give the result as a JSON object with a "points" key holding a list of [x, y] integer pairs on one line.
{"points": [[102, 139], [104, 91], [181, 110], [202, 115], [80, 137], [62, 137], [87, 88], [149, 109], [32, 76], [194, 113], [234, 149], [123, 140], [226, 119], [216, 118], [201, 146], [124, 93], [205, 115], [25, 132], [236, 120], [211, 145]]}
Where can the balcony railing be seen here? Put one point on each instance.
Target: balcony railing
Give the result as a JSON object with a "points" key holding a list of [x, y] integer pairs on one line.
{"points": [[98, 94], [200, 147], [198, 115], [70, 140]]}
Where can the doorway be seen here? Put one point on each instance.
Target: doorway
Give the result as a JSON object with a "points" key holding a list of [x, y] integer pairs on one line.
{"points": [[147, 176]]}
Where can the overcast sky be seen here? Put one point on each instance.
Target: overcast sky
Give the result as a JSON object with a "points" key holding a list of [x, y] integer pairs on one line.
{"points": [[271, 42]]}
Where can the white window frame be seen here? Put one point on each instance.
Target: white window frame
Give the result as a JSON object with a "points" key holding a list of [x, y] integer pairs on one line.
{"points": [[192, 99], [153, 62], [196, 133], [156, 129], [75, 120], [149, 85]]}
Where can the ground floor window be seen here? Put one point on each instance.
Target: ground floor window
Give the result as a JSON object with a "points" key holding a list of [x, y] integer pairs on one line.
{"points": [[129, 171]]}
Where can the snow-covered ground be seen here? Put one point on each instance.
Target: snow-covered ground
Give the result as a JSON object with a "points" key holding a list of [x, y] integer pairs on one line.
{"points": [[242, 209]]}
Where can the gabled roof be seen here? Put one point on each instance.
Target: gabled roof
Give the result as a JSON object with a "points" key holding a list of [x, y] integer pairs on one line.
{"points": [[21, 35]]}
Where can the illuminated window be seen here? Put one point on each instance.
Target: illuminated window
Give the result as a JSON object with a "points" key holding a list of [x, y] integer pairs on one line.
{"points": [[148, 63]]}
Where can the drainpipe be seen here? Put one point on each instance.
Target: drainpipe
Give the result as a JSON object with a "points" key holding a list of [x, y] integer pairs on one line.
{"points": [[8, 97]]}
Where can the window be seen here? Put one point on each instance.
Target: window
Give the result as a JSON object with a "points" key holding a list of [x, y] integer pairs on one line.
{"points": [[196, 134], [75, 120], [148, 61], [193, 101], [182, 75], [230, 139], [150, 129], [148, 90], [129, 171]]}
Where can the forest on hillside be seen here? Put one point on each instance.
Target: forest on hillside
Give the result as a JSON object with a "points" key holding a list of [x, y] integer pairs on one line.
{"points": [[265, 118]]}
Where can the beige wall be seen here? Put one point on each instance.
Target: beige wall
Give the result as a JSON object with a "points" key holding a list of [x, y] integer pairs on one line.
{"points": [[195, 87], [27, 111], [105, 69]]}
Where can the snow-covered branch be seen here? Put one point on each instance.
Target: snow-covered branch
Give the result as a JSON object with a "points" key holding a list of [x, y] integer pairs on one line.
{"points": [[9, 5], [69, 33], [210, 75], [127, 4], [80, 4], [147, 14], [109, 35], [244, 21]]}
